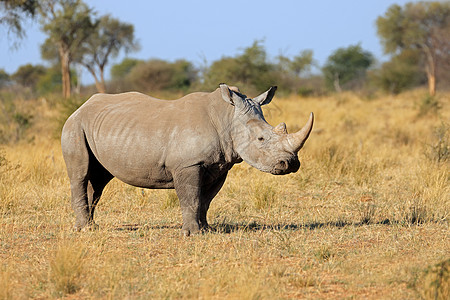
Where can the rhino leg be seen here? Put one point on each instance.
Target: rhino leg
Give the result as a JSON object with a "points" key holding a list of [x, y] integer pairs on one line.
{"points": [[76, 155], [98, 179], [208, 193], [187, 184]]}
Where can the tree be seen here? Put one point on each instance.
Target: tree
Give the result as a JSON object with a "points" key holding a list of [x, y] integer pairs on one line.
{"points": [[14, 12], [250, 70], [424, 26], [122, 69], [107, 40], [400, 73], [68, 24], [346, 65], [302, 62], [4, 78], [157, 75], [28, 75]]}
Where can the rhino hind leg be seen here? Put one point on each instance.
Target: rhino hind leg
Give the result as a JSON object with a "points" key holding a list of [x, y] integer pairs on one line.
{"points": [[98, 178], [87, 177]]}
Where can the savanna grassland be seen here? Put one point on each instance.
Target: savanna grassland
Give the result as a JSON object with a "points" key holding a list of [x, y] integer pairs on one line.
{"points": [[366, 216]]}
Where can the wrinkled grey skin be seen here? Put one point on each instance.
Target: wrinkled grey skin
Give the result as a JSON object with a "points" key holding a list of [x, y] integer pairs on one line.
{"points": [[188, 144]]}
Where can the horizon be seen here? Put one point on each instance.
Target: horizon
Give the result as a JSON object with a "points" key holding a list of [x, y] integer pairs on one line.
{"points": [[202, 32]]}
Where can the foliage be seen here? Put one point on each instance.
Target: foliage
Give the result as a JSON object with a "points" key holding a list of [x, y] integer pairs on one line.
{"points": [[439, 150], [424, 26], [250, 70], [400, 73], [68, 24], [428, 105], [435, 282], [29, 75], [299, 64], [4, 78], [122, 69], [157, 75], [105, 42], [347, 67], [14, 12], [51, 82]]}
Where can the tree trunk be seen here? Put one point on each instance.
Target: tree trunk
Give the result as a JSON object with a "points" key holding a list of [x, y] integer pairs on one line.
{"points": [[430, 70], [99, 84], [432, 84], [337, 86], [64, 55], [102, 81]]}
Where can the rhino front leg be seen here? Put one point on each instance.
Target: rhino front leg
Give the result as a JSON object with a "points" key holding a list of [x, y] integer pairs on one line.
{"points": [[187, 184]]}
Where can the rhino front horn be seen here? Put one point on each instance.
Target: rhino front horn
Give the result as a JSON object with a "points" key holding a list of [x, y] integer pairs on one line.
{"points": [[296, 140]]}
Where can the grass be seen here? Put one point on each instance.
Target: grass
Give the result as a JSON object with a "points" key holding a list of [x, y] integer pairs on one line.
{"points": [[366, 216]]}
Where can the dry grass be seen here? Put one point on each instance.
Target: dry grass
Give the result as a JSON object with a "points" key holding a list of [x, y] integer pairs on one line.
{"points": [[367, 216]]}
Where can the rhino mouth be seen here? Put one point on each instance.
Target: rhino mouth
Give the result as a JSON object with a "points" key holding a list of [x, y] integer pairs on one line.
{"points": [[285, 167]]}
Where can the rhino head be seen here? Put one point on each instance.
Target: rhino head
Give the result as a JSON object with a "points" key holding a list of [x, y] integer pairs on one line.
{"points": [[269, 149]]}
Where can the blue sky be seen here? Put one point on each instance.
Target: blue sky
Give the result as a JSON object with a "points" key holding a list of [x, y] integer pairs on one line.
{"points": [[200, 30]]}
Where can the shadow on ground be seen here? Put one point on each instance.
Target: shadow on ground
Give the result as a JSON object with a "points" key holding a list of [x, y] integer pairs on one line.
{"points": [[253, 226]]}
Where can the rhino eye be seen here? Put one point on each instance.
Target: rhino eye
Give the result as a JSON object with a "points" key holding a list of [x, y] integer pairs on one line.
{"points": [[261, 139]]}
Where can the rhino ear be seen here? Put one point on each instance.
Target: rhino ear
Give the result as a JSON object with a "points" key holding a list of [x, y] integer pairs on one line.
{"points": [[265, 97], [226, 93], [230, 96]]}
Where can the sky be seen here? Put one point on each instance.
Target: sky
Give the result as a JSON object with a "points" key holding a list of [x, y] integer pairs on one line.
{"points": [[202, 31]]}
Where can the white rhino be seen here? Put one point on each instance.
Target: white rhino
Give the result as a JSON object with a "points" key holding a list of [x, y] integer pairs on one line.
{"points": [[188, 144]]}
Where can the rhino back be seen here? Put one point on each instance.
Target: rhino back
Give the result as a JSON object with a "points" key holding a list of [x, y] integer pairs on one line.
{"points": [[143, 140]]}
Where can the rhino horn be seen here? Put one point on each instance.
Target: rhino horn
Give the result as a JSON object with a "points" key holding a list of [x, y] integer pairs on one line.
{"points": [[296, 140]]}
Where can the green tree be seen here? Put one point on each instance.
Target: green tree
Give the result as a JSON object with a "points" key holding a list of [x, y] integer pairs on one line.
{"points": [[302, 62], [250, 70], [157, 75], [110, 37], [346, 65], [4, 78], [28, 75], [122, 69], [400, 73], [424, 26], [13, 13], [68, 24]]}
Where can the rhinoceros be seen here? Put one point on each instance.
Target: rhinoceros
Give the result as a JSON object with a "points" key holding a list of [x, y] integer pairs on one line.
{"points": [[188, 144]]}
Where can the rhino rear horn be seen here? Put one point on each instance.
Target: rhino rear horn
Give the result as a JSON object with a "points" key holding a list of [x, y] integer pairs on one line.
{"points": [[298, 139]]}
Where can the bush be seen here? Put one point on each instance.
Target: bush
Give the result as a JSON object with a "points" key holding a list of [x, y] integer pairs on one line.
{"points": [[159, 75], [435, 282], [439, 150], [400, 73]]}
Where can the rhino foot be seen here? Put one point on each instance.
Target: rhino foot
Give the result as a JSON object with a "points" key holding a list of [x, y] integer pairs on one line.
{"points": [[89, 227], [189, 229]]}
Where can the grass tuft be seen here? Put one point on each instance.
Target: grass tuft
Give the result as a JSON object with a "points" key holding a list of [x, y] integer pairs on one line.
{"points": [[439, 150], [67, 267], [170, 200], [435, 282], [264, 195]]}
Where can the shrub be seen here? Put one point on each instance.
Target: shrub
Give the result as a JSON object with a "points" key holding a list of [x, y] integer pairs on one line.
{"points": [[435, 282], [67, 267], [428, 105], [439, 150]]}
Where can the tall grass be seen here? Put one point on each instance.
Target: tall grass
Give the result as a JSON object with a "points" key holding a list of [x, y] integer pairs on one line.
{"points": [[365, 217]]}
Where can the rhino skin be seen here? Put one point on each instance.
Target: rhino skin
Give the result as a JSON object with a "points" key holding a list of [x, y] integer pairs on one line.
{"points": [[188, 144]]}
